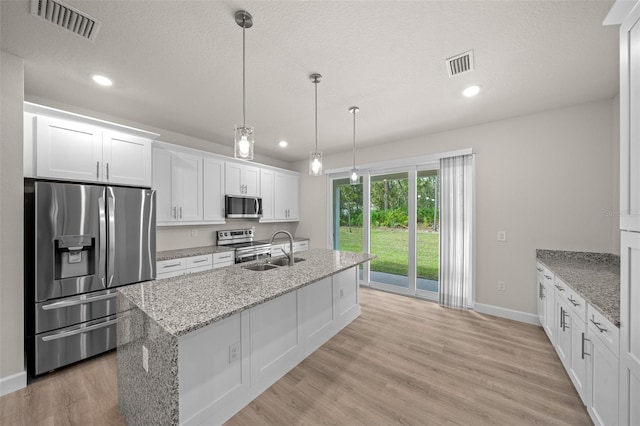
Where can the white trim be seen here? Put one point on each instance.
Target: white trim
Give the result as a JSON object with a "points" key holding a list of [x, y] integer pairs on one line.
{"points": [[511, 314], [13, 383], [403, 162]]}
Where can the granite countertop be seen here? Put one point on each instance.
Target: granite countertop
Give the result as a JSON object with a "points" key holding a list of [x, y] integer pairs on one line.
{"points": [[184, 304], [594, 276], [195, 251]]}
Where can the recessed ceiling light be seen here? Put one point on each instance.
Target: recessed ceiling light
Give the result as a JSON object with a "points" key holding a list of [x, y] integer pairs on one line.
{"points": [[471, 91], [102, 80], [283, 144]]}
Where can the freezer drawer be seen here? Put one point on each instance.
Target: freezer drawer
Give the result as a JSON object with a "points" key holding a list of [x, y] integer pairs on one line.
{"points": [[68, 345], [74, 310]]}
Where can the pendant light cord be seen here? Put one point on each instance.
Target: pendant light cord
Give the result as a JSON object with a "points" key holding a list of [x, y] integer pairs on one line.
{"points": [[244, 120], [354, 140], [316, 89]]}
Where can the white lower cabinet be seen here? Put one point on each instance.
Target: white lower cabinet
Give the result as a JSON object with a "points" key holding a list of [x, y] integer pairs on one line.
{"points": [[602, 371], [224, 366], [183, 266], [298, 246]]}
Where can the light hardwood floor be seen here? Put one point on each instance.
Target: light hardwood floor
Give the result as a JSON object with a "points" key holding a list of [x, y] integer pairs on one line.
{"points": [[403, 361]]}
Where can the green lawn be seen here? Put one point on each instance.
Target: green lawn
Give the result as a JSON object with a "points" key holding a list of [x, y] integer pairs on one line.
{"points": [[391, 246]]}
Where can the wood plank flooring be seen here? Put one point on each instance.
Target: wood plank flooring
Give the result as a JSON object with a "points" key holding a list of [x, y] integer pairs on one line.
{"points": [[403, 361]]}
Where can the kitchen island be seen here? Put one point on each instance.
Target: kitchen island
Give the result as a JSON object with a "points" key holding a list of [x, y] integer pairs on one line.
{"points": [[196, 349]]}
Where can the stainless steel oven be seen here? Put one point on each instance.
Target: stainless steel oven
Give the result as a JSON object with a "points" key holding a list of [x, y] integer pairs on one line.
{"points": [[246, 249]]}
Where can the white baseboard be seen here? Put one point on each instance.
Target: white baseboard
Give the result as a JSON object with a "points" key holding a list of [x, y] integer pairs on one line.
{"points": [[13, 383], [507, 313]]}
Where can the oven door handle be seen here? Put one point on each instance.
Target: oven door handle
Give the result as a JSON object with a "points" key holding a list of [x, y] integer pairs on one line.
{"points": [[79, 330]]}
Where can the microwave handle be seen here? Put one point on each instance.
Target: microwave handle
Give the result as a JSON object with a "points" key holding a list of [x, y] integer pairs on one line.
{"points": [[256, 206]]}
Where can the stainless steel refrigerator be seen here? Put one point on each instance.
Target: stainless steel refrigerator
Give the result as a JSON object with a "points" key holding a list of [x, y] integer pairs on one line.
{"points": [[81, 242]]}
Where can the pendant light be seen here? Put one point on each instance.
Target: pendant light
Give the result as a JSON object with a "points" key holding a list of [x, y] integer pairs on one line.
{"points": [[354, 172], [315, 160], [243, 146]]}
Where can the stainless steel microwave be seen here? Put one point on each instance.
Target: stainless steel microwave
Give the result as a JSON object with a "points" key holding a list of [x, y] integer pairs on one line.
{"points": [[242, 207]]}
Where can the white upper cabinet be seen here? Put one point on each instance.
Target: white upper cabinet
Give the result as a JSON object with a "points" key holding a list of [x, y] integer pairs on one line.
{"points": [[126, 159], [267, 181], [67, 150], [629, 123], [213, 187], [286, 197], [177, 179], [242, 179], [66, 146]]}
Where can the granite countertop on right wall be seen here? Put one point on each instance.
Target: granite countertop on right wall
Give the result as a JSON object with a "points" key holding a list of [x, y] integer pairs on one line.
{"points": [[595, 276]]}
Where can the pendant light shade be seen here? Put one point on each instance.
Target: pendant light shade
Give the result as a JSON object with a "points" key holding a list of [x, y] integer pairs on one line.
{"points": [[354, 172], [243, 146], [315, 158]]}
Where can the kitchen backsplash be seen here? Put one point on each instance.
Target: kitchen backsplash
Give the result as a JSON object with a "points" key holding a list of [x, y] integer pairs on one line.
{"points": [[181, 237]]}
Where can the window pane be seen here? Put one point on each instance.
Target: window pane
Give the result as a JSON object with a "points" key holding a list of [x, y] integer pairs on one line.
{"points": [[427, 227]]}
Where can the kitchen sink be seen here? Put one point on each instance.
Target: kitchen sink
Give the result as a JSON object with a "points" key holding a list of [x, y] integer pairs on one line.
{"points": [[261, 267], [284, 261]]}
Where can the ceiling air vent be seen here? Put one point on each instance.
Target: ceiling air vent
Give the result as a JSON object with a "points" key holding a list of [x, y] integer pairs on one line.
{"points": [[460, 63], [67, 17]]}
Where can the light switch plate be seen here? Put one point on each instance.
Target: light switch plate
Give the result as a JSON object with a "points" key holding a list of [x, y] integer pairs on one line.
{"points": [[502, 236]]}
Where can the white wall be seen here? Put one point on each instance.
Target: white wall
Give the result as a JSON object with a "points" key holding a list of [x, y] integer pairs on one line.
{"points": [[11, 218], [546, 179]]}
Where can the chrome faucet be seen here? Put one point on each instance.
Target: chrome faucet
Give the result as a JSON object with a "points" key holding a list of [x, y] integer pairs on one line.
{"points": [[290, 255]]}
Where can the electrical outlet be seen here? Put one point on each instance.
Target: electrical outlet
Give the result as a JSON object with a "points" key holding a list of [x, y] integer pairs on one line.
{"points": [[501, 286], [145, 358], [234, 352], [502, 236], [194, 232]]}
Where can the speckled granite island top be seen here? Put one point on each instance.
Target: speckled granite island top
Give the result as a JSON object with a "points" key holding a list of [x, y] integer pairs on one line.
{"points": [[595, 276], [189, 252], [184, 304]]}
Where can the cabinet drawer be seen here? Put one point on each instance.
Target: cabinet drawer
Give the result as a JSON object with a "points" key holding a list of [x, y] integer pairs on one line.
{"points": [[576, 303], [199, 269], [601, 327], [172, 265], [223, 259], [199, 261], [548, 277]]}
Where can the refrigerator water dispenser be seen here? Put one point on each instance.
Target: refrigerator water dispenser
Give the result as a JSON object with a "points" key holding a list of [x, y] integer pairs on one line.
{"points": [[74, 256]]}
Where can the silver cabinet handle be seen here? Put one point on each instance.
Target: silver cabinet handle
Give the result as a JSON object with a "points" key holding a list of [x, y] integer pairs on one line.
{"points": [[97, 170], [174, 213], [548, 276], [200, 261], [79, 331], [180, 212], [539, 269], [69, 303], [564, 321], [558, 287], [597, 324], [170, 266], [107, 171], [584, 339], [541, 293], [573, 302]]}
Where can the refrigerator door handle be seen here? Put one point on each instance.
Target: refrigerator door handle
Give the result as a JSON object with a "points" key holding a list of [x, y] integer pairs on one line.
{"points": [[112, 235], [103, 238], [79, 330]]}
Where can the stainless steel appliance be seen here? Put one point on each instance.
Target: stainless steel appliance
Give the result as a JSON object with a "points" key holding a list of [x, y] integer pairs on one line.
{"points": [[242, 207], [81, 242], [246, 249]]}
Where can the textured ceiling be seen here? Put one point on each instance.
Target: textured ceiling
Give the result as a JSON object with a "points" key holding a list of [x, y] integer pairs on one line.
{"points": [[177, 65]]}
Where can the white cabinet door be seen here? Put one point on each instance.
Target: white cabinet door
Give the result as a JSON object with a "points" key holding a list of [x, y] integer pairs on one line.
{"points": [[541, 295], [126, 159], [233, 179], [267, 194], [630, 125], [213, 187], [630, 329], [550, 310], [563, 332], [602, 382], [252, 181], [241, 179], [577, 364], [68, 150], [286, 196], [187, 186], [162, 167]]}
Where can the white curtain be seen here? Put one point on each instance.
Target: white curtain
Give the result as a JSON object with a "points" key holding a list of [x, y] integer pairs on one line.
{"points": [[456, 231]]}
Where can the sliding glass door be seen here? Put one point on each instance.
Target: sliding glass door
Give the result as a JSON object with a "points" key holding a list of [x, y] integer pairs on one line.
{"points": [[395, 215]]}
